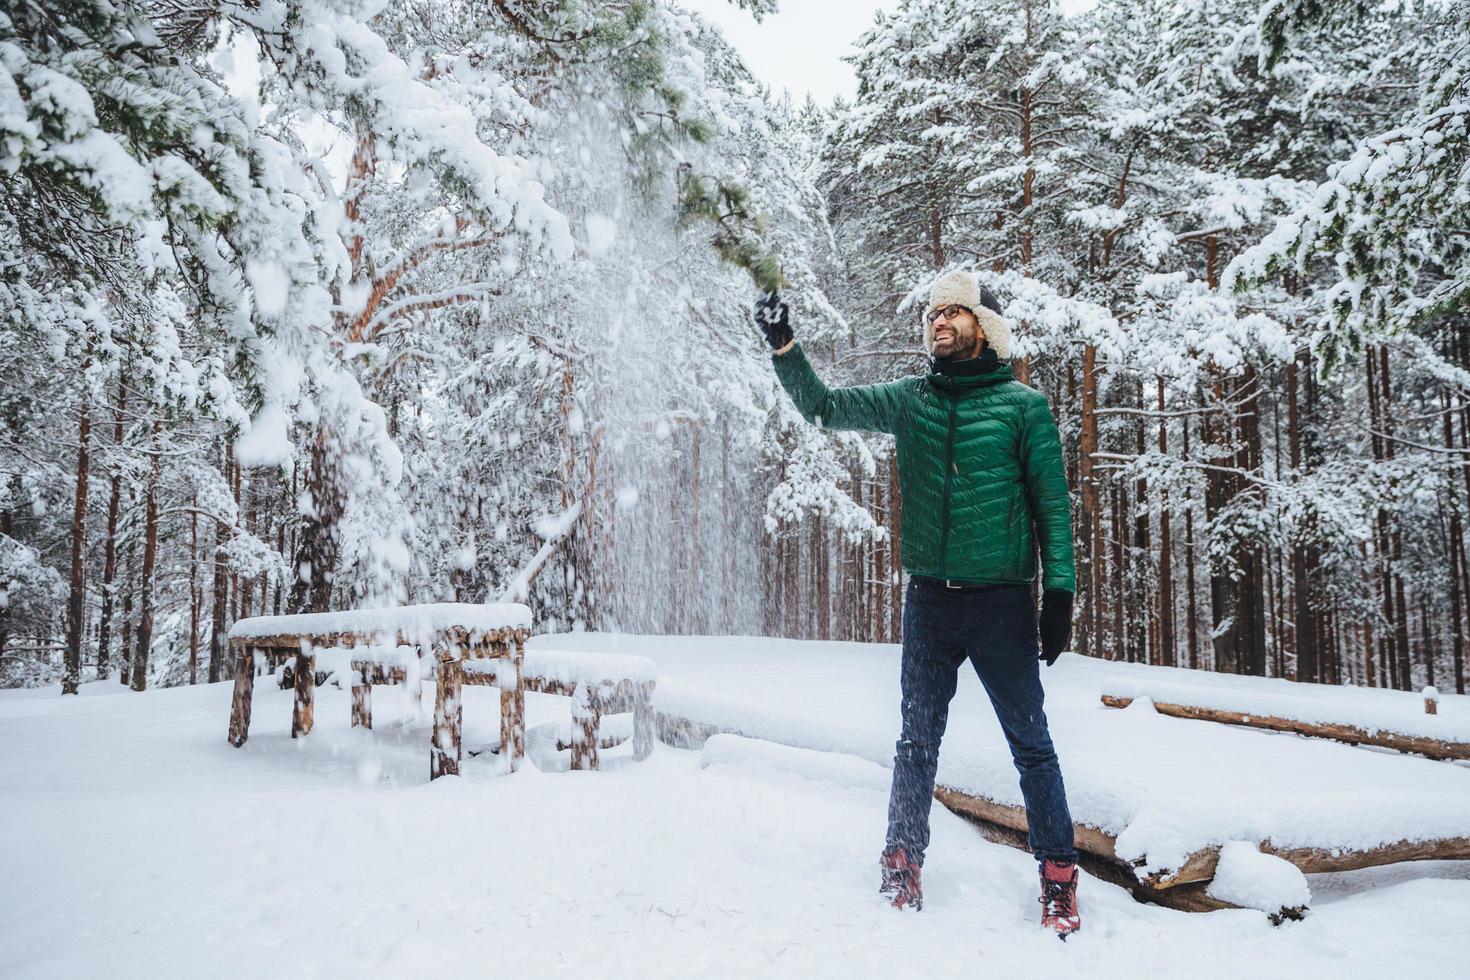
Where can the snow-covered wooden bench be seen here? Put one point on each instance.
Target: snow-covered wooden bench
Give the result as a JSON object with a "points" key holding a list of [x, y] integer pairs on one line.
{"points": [[598, 685], [391, 645], [1357, 716]]}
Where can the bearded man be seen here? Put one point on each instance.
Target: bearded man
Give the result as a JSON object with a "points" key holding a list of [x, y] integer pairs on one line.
{"points": [[983, 489]]}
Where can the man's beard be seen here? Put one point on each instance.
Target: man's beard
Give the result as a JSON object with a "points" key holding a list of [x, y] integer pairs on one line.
{"points": [[957, 353]]}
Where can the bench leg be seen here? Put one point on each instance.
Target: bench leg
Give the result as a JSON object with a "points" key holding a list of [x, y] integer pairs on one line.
{"points": [[513, 717], [244, 692], [362, 701], [585, 723], [642, 721], [305, 685], [444, 753]]}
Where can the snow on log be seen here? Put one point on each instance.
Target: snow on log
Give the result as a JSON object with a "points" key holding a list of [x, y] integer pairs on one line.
{"points": [[1433, 748], [1372, 716], [1248, 878]]}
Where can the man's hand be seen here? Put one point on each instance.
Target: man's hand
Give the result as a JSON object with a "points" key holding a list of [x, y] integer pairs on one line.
{"points": [[1056, 623], [774, 320]]}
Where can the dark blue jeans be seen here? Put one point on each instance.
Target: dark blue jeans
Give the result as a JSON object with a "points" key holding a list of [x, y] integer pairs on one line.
{"points": [[995, 629]]}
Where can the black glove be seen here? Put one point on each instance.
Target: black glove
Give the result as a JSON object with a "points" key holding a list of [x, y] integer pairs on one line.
{"points": [[774, 320], [1056, 623]]}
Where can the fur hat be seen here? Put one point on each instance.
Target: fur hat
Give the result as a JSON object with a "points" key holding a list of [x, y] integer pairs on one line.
{"points": [[960, 287]]}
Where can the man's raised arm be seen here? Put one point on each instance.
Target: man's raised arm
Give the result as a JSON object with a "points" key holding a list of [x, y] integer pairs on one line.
{"points": [[870, 407]]}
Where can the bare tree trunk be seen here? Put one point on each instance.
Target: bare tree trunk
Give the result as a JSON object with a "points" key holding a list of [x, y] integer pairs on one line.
{"points": [[124, 674], [245, 507], [1396, 539], [1143, 652], [194, 594], [1192, 640], [1370, 645], [1121, 641], [1308, 653], [793, 584], [860, 573], [280, 550], [150, 559], [232, 476], [7, 528], [1252, 585], [1426, 641], [768, 584], [820, 555], [1224, 620], [875, 617], [1091, 515], [1168, 646], [727, 536], [697, 610], [109, 560], [71, 670], [219, 610], [1382, 547], [1453, 550], [1462, 614]]}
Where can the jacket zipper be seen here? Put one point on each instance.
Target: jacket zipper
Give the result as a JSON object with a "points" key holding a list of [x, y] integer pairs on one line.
{"points": [[954, 407]]}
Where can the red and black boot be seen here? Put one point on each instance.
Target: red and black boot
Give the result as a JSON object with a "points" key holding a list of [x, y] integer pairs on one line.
{"points": [[1059, 898], [900, 880]]}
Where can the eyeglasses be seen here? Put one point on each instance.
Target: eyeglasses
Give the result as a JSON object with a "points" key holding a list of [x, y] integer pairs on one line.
{"points": [[948, 312]]}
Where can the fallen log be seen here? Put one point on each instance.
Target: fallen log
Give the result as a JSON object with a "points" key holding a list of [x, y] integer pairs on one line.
{"points": [[1317, 860], [1005, 823], [1433, 748], [1088, 838], [1183, 888], [1188, 898]]}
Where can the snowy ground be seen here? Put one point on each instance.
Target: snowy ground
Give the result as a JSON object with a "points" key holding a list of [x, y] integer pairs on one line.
{"points": [[138, 843]]}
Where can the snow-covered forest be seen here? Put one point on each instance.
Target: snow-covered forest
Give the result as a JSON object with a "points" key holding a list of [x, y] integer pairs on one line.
{"points": [[308, 304]]}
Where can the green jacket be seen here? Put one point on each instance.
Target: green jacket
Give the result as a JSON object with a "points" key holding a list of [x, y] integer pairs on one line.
{"points": [[979, 467]]}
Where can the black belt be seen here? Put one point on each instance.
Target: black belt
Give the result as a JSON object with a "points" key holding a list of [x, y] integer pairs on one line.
{"points": [[957, 586]]}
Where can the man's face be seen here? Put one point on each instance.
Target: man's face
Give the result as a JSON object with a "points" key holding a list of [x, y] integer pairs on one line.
{"points": [[957, 337]]}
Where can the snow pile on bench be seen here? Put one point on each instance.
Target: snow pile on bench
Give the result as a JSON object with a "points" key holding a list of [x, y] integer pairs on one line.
{"points": [[1371, 709], [1167, 789], [419, 621]]}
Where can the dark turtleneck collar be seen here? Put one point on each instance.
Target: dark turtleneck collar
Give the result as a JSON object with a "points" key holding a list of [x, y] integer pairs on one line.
{"points": [[969, 368]]}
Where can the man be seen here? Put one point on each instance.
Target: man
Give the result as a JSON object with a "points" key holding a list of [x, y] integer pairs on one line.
{"points": [[983, 487]]}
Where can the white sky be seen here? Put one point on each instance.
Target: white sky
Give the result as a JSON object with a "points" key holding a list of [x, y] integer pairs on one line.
{"points": [[800, 46]]}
